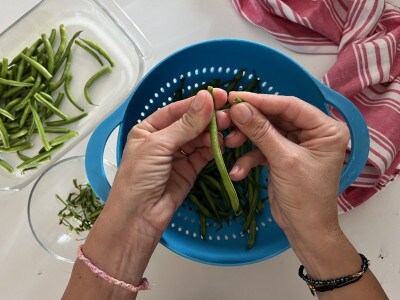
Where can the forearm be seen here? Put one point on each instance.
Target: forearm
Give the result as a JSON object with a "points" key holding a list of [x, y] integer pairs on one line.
{"points": [[108, 247], [330, 255]]}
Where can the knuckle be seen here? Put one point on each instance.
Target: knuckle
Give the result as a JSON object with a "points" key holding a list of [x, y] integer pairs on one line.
{"points": [[292, 161], [340, 132], [187, 120], [260, 129], [133, 133]]}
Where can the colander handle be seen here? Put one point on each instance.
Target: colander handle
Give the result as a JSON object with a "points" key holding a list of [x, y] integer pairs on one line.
{"points": [[358, 131], [95, 152]]}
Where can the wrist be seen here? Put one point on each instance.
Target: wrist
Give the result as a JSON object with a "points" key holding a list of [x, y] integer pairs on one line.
{"points": [[327, 254], [121, 248]]}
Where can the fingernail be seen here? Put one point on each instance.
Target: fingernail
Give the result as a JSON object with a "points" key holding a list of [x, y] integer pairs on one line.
{"points": [[234, 170], [198, 101], [243, 113], [220, 134]]}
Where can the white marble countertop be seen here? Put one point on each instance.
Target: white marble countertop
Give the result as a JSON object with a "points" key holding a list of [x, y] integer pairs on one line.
{"points": [[28, 272]]}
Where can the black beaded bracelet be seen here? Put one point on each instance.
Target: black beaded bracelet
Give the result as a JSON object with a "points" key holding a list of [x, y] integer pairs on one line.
{"points": [[316, 285]]}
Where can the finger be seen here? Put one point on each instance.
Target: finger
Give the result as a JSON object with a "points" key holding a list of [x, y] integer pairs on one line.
{"points": [[245, 163], [203, 140], [192, 123], [235, 138], [169, 114], [291, 109], [260, 131]]}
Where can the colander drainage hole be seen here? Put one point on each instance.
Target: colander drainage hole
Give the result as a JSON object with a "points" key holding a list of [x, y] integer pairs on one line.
{"points": [[263, 224], [179, 229], [226, 237], [194, 234], [269, 220], [173, 225]]}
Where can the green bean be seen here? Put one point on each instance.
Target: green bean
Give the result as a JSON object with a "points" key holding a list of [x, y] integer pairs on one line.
{"points": [[252, 233], [53, 35], [100, 50], [47, 97], [34, 64], [220, 161], [24, 116], [14, 83], [203, 226], [22, 156], [39, 157], [22, 63], [4, 135], [7, 114], [212, 182], [91, 80], [16, 148], [56, 85], [179, 91], [3, 73], [204, 86], [90, 51], [196, 202], [67, 50], [11, 125], [63, 42], [55, 130], [18, 134], [237, 100], [253, 84], [30, 94], [63, 138], [50, 106], [67, 90], [28, 169], [57, 104], [39, 126], [209, 199], [17, 59], [50, 54], [59, 99], [15, 90], [68, 121], [6, 166], [235, 81]]}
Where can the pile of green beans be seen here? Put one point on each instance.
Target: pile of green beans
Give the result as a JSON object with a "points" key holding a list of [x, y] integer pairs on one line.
{"points": [[31, 96], [214, 194], [81, 208]]}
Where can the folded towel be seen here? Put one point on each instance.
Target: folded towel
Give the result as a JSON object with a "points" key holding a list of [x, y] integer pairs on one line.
{"points": [[365, 35]]}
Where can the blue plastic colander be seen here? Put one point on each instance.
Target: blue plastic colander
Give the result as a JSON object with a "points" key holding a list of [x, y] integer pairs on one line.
{"points": [[200, 63]]}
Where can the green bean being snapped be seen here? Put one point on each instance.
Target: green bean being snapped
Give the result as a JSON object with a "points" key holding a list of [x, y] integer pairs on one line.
{"points": [[216, 197], [33, 85]]}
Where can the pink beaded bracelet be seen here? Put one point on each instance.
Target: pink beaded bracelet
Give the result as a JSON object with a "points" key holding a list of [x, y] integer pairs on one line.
{"points": [[144, 284]]}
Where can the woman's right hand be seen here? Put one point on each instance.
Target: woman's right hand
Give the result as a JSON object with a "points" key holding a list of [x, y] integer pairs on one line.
{"points": [[304, 150]]}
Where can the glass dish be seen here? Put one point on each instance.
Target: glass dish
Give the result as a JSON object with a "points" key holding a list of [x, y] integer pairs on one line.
{"points": [[43, 206], [102, 21]]}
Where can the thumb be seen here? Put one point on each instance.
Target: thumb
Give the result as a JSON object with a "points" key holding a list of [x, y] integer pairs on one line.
{"points": [[192, 123], [260, 131]]}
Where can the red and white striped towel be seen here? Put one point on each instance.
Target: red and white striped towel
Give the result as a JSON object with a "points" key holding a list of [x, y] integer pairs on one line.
{"points": [[365, 34]]}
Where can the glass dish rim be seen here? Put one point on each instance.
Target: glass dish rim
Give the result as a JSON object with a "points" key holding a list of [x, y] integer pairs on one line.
{"points": [[31, 193]]}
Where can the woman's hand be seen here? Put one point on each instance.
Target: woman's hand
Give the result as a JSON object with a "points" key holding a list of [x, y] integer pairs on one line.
{"points": [[304, 150], [152, 181], [155, 175]]}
